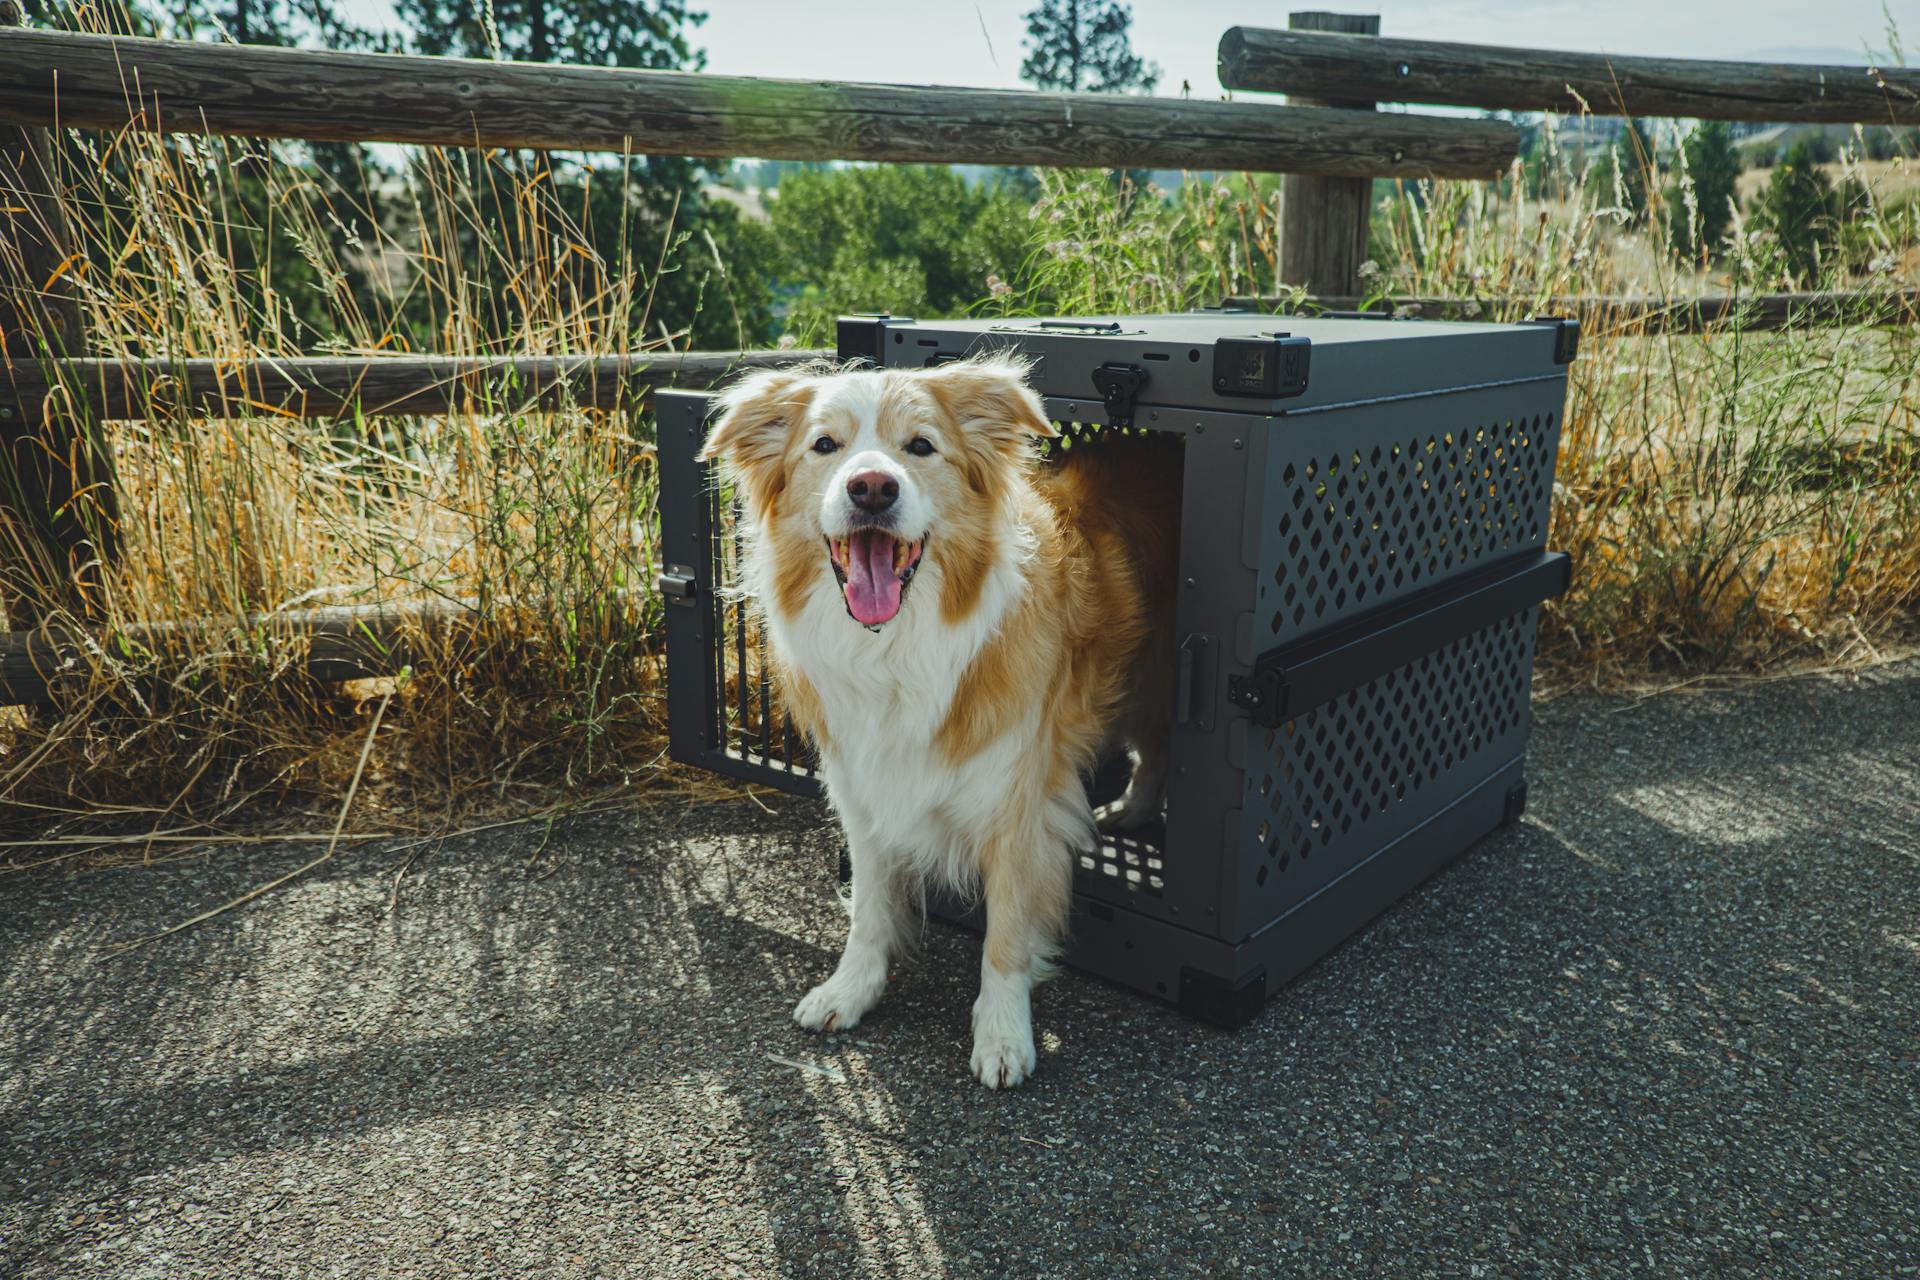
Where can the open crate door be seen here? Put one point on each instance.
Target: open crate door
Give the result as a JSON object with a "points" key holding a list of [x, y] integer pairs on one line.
{"points": [[722, 713]]}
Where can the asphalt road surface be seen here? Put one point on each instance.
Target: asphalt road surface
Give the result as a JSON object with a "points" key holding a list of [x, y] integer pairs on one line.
{"points": [[1670, 1025]]}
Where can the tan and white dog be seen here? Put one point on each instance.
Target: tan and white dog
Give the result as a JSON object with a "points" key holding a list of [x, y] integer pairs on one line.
{"points": [[961, 629]]}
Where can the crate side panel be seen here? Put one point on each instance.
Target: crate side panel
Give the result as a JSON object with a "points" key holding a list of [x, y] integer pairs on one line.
{"points": [[1326, 790], [1368, 504]]}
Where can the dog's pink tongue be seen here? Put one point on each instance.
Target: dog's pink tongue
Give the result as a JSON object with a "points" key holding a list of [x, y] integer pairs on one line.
{"points": [[873, 589]]}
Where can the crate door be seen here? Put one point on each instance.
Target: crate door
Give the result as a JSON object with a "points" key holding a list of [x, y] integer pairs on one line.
{"points": [[722, 713]]}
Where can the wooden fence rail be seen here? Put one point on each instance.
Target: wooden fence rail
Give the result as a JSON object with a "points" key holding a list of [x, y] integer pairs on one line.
{"points": [[1603, 317], [344, 642], [1493, 77], [54, 79], [92, 81], [324, 387]]}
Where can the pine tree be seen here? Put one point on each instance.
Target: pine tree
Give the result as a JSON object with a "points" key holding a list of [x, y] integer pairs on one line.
{"points": [[650, 34], [1714, 168], [1799, 207], [1084, 46], [276, 22]]}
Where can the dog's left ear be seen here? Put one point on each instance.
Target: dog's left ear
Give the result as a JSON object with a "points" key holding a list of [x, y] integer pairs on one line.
{"points": [[988, 396]]}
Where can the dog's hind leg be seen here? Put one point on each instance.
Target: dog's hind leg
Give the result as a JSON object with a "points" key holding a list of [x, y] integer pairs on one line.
{"points": [[1145, 724], [881, 908], [1027, 872], [1141, 802]]}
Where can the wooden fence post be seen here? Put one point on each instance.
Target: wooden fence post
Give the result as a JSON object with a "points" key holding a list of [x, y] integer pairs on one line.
{"points": [[1324, 221], [59, 513]]}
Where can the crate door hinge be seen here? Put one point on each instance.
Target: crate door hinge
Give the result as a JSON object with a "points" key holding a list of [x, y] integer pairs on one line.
{"points": [[676, 584], [1119, 387]]}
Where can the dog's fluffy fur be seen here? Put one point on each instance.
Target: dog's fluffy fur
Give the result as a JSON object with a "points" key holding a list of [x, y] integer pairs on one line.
{"points": [[955, 712]]}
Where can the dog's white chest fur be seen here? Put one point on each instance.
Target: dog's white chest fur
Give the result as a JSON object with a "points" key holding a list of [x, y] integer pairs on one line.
{"points": [[884, 696]]}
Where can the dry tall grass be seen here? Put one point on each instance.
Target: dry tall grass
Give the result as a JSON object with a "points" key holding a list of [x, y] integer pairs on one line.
{"points": [[542, 521], [1731, 498]]}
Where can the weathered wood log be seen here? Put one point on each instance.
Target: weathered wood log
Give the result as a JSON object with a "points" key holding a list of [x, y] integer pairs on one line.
{"points": [[1621, 317], [341, 642], [346, 642], [92, 81], [1324, 222], [323, 387], [1494, 77]]}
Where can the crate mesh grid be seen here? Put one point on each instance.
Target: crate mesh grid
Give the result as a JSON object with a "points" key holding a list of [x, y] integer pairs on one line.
{"points": [[1337, 782], [1358, 528]]}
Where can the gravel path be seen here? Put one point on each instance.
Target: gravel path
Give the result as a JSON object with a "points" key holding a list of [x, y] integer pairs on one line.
{"points": [[1670, 1025]]}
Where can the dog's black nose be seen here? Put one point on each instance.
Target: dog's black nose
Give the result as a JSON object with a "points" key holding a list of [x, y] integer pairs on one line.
{"points": [[873, 490]]}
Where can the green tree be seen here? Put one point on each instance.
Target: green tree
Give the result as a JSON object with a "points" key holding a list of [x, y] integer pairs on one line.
{"points": [[1713, 168], [1084, 46], [1799, 207], [908, 239], [608, 33], [275, 22], [642, 209]]}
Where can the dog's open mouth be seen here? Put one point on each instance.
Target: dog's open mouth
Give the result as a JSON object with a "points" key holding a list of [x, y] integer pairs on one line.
{"points": [[874, 568]]}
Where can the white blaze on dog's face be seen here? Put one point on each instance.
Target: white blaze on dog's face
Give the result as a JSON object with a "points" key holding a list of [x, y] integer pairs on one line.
{"points": [[872, 476], [876, 506]]}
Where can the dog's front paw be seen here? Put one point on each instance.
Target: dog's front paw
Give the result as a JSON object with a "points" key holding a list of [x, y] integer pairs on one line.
{"points": [[840, 1002], [1003, 1058], [1129, 813]]}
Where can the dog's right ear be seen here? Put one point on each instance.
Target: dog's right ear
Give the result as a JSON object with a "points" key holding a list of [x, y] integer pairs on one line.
{"points": [[758, 414]]}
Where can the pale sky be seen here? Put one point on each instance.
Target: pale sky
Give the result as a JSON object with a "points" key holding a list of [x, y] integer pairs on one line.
{"points": [[978, 43]]}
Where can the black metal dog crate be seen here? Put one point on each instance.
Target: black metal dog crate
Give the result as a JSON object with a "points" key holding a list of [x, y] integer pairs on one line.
{"points": [[1362, 558]]}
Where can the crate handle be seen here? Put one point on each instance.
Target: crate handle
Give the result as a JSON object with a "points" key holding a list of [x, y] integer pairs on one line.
{"points": [[1298, 677], [1190, 693]]}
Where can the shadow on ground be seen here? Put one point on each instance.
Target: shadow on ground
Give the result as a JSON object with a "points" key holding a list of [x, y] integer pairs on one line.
{"points": [[1667, 1026]]}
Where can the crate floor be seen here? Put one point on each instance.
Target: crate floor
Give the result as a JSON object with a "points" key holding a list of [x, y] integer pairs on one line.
{"points": [[1669, 1017]]}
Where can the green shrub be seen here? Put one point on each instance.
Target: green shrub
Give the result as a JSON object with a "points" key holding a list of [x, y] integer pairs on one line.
{"points": [[1700, 206], [1799, 210], [912, 240]]}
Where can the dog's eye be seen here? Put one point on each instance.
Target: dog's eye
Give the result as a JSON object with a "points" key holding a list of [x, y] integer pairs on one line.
{"points": [[920, 446], [825, 444]]}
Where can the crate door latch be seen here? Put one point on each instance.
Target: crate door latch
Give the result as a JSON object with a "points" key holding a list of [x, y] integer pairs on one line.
{"points": [[675, 583], [1119, 387]]}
